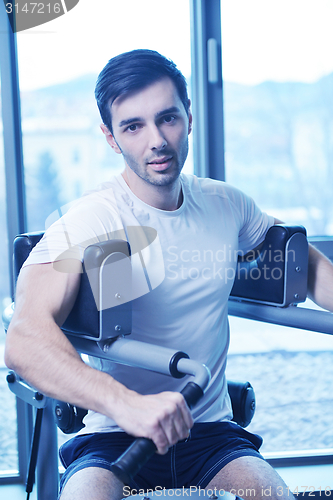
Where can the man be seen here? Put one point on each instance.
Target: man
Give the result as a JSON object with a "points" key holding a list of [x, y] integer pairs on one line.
{"points": [[146, 117]]}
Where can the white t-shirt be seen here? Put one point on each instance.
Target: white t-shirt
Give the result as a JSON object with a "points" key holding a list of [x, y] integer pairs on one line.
{"points": [[181, 292]]}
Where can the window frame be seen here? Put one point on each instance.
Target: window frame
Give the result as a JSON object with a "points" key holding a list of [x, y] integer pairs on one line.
{"points": [[15, 201], [207, 89]]}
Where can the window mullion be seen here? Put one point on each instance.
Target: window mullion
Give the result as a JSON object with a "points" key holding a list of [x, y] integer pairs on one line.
{"points": [[11, 117], [15, 193], [207, 90]]}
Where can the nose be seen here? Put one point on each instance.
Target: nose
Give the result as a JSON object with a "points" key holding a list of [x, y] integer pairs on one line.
{"points": [[157, 141]]}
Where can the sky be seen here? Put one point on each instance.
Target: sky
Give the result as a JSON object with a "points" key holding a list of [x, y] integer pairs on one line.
{"points": [[84, 39], [281, 40]]}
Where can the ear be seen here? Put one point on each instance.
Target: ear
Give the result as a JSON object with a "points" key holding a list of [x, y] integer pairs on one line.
{"points": [[190, 121], [190, 117], [110, 139]]}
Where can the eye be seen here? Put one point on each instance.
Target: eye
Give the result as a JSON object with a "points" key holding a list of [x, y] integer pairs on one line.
{"points": [[169, 118], [132, 128]]}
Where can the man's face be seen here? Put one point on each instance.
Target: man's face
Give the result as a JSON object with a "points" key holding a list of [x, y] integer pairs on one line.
{"points": [[150, 130]]}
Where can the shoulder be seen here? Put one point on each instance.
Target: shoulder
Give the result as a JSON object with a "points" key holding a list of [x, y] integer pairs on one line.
{"points": [[104, 194], [92, 218], [96, 204], [212, 187]]}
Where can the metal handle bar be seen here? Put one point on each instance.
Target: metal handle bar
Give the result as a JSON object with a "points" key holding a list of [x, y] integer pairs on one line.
{"points": [[155, 358], [142, 355], [142, 449], [295, 317]]}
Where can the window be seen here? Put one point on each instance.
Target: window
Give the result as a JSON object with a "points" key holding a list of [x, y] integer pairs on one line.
{"points": [[278, 83], [8, 438], [290, 371], [65, 152]]}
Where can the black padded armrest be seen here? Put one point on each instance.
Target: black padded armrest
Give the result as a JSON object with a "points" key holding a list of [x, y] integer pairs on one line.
{"points": [[279, 274], [84, 316], [84, 319], [22, 246], [243, 402]]}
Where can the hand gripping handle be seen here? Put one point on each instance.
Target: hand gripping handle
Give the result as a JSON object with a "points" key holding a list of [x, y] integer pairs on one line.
{"points": [[142, 449]]}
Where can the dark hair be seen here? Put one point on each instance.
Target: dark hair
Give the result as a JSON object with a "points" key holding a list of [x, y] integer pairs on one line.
{"points": [[132, 71]]}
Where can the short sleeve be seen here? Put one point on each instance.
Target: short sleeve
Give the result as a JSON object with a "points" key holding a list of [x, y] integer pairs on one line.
{"points": [[244, 217], [94, 218], [253, 223]]}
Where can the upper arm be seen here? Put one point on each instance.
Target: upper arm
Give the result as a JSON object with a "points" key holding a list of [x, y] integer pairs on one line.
{"points": [[44, 298], [254, 253], [43, 292], [320, 279]]}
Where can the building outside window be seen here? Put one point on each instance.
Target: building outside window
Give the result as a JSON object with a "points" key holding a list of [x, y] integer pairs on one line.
{"points": [[278, 82], [65, 152]]}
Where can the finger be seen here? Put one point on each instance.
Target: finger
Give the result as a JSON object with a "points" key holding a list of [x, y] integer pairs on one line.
{"points": [[183, 424], [172, 427], [162, 442], [177, 421], [186, 415]]}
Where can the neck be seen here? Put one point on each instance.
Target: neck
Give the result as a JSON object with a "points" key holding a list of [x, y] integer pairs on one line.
{"points": [[167, 198]]}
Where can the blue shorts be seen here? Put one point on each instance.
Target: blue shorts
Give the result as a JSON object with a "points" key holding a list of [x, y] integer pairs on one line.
{"points": [[193, 462]]}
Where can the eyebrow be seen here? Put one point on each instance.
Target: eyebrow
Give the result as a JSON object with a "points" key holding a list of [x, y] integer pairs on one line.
{"points": [[128, 121], [123, 123], [173, 109]]}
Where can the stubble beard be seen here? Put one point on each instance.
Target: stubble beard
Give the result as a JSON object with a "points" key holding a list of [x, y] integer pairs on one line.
{"points": [[164, 177]]}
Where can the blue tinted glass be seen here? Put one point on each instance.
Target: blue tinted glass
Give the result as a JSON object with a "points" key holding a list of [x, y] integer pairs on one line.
{"points": [[8, 438], [278, 87], [65, 152]]}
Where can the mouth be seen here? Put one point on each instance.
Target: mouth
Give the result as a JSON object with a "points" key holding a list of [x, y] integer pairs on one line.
{"points": [[159, 164]]}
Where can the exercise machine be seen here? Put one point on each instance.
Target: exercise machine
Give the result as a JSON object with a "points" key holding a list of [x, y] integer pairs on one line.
{"points": [[100, 323]]}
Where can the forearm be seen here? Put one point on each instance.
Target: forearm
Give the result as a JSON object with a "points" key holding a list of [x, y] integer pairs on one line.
{"points": [[49, 362], [320, 279], [57, 371], [41, 354]]}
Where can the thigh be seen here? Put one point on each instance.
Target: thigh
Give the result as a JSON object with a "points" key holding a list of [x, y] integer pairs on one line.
{"points": [[251, 477], [92, 483]]}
